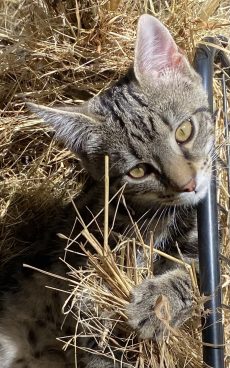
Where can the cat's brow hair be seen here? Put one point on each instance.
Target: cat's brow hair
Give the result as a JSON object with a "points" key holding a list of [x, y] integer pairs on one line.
{"points": [[166, 122], [201, 109]]}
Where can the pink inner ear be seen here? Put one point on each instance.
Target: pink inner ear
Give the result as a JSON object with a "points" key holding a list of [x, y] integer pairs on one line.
{"points": [[177, 60], [155, 48]]}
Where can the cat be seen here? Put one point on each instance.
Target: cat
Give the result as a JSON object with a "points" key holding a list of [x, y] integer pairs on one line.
{"points": [[156, 128]]}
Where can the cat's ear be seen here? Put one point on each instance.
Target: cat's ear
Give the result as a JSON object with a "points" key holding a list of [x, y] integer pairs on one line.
{"points": [[76, 129], [155, 49]]}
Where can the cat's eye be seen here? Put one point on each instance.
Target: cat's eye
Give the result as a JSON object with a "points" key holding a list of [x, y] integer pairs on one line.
{"points": [[184, 132], [138, 171]]}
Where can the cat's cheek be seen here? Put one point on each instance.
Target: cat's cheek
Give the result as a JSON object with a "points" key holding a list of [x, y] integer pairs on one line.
{"points": [[193, 198], [203, 180], [201, 194]]}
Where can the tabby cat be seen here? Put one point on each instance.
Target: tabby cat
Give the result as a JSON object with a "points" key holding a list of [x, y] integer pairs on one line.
{"points": [[156, 128]]}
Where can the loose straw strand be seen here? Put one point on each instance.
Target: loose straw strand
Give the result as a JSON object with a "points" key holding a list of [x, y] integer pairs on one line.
{"points": [[106, 211]]}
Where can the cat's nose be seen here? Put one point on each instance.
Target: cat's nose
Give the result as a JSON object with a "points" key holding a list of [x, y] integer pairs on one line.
{"points": [[190, 186]]}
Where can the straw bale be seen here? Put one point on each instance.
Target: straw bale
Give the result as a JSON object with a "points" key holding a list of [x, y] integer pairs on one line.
{"points": [[66, 51]]}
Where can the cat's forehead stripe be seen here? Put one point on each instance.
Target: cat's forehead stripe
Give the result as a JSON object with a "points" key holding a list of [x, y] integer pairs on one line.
{"points": [[136, 97], [153, 125], [201, 109], [138, 136]]}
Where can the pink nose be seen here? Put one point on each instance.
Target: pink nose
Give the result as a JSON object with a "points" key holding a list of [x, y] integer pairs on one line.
{"points": [[190, 186]]}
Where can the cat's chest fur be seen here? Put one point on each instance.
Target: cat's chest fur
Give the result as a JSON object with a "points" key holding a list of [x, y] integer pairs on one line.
{"points": [[30, 323], [166, 226]]}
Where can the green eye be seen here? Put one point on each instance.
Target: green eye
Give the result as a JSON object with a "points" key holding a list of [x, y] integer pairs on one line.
{"points": [[137, 172], [184, 132]]}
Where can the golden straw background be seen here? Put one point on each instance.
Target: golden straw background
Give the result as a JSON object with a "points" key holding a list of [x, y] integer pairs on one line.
{"points": [[66, 51]]}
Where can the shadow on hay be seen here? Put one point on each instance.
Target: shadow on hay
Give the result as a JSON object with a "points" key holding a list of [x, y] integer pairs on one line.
{"points": [[28, 233]]}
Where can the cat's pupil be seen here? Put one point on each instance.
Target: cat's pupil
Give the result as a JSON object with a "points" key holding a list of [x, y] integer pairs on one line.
{"points": [[184, 132]]}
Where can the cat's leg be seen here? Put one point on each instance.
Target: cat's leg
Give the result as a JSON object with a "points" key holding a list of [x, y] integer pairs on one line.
{"points": [[100, 362], [30, 321], [91, 353], [103, 362], [149, 313], [8, 350], [16, 352]]}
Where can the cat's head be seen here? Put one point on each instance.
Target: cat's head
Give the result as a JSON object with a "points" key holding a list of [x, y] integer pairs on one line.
{"points": [[154, 124]]}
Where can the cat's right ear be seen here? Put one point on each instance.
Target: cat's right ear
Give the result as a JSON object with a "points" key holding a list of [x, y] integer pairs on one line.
{"points": [[155, 50], [78, 130]]}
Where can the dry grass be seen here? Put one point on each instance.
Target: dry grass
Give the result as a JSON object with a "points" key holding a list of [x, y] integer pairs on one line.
{"points": [[56, 51]]}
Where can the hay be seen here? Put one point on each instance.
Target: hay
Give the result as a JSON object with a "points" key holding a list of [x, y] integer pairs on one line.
{"points": [[55, 51], [110, 277]]}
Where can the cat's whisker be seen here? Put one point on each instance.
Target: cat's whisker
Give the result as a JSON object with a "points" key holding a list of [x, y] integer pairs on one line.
{"points": [[129, 229], [143, 224], [179, 216], [174, 219], [151, 220], [164, 211], [170, 222], [221, 145]]}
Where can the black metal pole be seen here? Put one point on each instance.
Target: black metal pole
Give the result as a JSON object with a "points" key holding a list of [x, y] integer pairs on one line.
{"points": [[212, 332], [226, 127]]}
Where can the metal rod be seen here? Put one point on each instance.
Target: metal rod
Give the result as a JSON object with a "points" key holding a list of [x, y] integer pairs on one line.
{"points": [[212, 332], [226, 127]]}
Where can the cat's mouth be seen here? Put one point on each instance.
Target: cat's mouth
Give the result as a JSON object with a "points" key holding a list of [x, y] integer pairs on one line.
{"points": [[188, 198], [172, 198], [185, 198]]}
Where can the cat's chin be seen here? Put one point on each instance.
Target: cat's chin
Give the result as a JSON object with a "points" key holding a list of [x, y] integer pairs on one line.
{"points": [[188, 198]]}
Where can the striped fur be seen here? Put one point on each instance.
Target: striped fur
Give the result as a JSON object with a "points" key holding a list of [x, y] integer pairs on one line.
{"points": [[133, 122]]}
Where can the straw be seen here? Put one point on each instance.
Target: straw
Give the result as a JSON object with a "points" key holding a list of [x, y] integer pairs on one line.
{"points": [[65, 52]]}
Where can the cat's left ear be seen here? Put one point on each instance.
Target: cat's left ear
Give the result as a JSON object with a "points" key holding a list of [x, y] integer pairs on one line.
{"points": [[77, 129], [155, 49]]}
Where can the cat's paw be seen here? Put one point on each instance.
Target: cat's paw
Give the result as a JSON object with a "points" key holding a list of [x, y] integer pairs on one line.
{"points": [[160, 303]]}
